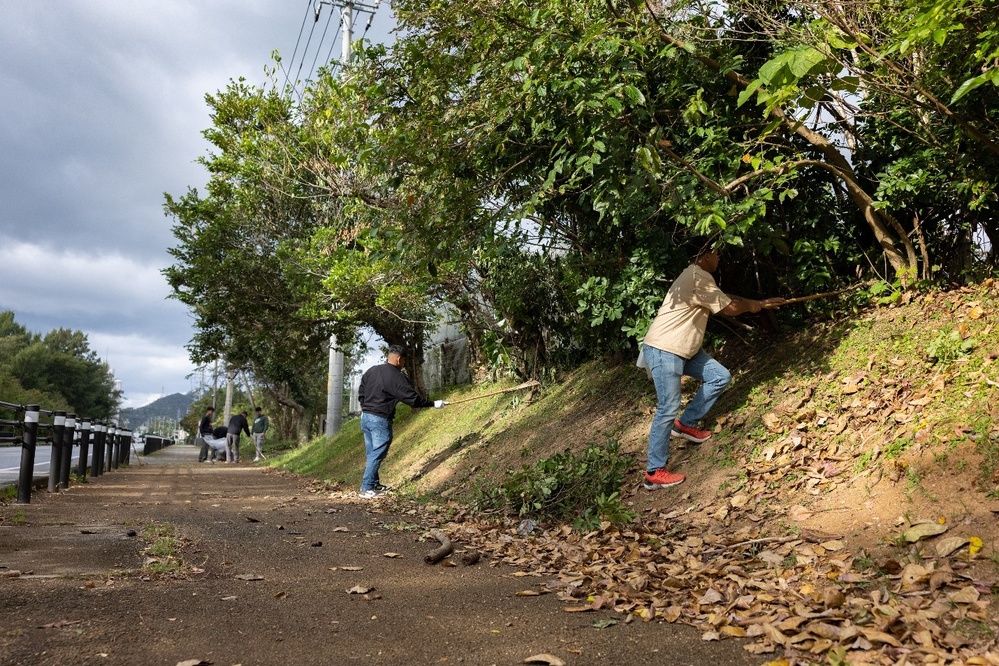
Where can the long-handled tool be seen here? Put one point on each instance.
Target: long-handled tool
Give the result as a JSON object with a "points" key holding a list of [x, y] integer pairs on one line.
{"points": [[825, 294], [137, 454], [518, 387]]}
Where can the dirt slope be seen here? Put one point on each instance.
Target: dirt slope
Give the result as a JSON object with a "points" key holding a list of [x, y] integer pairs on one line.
{"points": [[843, 512]]}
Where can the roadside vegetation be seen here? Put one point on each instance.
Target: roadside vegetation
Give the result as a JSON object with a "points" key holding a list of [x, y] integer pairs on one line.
{"points": [[853, 470], [535, 174]]}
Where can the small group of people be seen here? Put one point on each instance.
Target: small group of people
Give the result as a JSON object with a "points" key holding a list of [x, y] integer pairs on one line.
{"points": [[217, 441], [671, 348]]}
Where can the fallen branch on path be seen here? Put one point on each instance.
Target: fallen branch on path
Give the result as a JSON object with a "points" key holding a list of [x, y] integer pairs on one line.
{"points": [[445, 549]]}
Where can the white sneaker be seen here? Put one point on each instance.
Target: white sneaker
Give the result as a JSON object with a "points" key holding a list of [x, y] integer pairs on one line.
{"points": [[257, 459], [368, 494]]}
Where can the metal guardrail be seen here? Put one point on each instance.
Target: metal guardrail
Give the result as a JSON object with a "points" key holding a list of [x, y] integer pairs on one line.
{"points": [[110, 444]]}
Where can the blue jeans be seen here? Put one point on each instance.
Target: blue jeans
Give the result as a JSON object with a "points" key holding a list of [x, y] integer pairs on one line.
{"points": [[667, 369], [377, 432]]}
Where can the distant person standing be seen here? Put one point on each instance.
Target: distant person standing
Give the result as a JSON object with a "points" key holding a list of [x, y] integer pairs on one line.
{"points": [[237, 424], [205, 429], [260, 425], [382, 388]]}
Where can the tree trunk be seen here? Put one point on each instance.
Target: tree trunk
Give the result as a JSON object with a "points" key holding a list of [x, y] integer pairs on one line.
{"points": [[303, 427]]}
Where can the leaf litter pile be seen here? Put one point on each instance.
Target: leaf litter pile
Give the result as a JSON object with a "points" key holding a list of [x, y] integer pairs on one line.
{"points": [[733, 569]]}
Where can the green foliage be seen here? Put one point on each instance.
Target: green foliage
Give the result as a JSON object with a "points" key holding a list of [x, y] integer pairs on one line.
{"points": [[948, 346], [582, 487], [57, 371], [536, 168]]}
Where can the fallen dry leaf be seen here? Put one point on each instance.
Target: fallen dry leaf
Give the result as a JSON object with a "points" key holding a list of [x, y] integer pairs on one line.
{"points": [[578, 609], [799, 513], [544, 658], [249, 577], [946, 546], [966, 595], [923, 530], [392, 555], [527, 593], [359, 589]]}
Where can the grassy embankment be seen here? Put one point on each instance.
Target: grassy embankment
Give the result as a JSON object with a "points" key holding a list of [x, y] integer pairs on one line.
{"points": [[909, 386]]}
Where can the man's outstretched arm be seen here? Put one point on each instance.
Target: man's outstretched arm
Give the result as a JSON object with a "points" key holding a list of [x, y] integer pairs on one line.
{"points": [[740, 305]]}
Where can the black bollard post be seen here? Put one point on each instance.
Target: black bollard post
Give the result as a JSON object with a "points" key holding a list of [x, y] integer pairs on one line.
{"points": [[28, 441], [126, 448], [97, 466], [55, 460], [68, 435], [81, 467], [109, 449], [116, 450]]}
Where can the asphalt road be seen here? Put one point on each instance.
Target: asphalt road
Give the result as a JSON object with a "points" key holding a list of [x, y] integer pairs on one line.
{"points": [[10, 462]]}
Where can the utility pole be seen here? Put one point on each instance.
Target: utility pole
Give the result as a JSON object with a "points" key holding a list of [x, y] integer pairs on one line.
{"points": [[334, 390], [334, 385]]}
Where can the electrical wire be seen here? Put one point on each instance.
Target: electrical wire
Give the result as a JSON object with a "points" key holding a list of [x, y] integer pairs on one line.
{"points": [[287, 72], [305, 51], [319, 47]]}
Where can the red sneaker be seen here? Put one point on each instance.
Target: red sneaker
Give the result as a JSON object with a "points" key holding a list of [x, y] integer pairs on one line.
{"points": [[662, 479], [690, 434]]}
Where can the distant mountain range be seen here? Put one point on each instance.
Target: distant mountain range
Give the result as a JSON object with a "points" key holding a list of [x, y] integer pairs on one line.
{"points": [[173, 406]]}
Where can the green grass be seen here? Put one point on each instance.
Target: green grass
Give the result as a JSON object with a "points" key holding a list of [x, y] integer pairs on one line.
{"points": [[162, 547], [452, 452], [418, 435]]}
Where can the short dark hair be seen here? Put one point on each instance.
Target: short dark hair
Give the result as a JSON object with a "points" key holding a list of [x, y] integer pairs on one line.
{"points": [[398, 350], [210, 409], [258, 409], [697, 247]]}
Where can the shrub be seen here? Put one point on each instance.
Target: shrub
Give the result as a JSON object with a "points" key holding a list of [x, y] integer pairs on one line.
{"points": [[581, 487]]}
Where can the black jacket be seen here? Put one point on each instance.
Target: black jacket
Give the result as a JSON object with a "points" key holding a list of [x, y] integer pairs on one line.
{"points": [[205, 427], [383, 387], [236, 423]]}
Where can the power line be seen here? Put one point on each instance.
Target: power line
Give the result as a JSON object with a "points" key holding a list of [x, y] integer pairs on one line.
{"points": [[287, 72], [305, 51], [319, 48]]}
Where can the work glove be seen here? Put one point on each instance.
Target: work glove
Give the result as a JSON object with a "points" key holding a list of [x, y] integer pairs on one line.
{"points": [[439, 404]]}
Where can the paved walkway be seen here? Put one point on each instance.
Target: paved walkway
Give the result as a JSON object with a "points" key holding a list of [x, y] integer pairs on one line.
{"points": [[267, 569]]}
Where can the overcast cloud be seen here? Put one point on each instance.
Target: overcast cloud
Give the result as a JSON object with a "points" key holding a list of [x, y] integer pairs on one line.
{"points": [[103, 107]]}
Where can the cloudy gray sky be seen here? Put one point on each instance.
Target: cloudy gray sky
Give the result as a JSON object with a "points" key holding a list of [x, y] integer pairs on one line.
{"points": [[103, 106]]}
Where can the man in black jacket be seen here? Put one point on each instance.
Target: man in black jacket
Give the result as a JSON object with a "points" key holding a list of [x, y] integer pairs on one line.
{"points": [[205, 428], [382, 388], [237, 424]]}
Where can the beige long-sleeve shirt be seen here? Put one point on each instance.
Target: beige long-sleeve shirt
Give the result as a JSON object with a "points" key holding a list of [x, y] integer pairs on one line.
{"points": [[683, 317]]}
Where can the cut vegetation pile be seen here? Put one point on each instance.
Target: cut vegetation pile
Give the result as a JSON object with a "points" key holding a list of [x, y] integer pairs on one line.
{"points": [[842, 513]]}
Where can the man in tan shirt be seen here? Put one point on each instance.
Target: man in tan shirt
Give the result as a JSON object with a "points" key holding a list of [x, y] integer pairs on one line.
{"points": [[672, 348]]}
